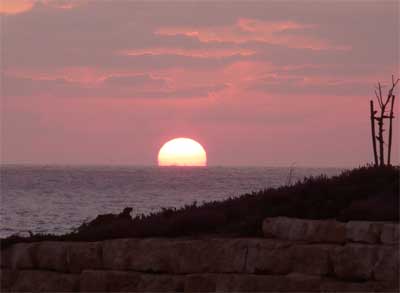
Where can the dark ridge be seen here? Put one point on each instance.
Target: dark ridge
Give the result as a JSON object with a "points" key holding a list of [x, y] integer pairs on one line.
{"points": [[365, 193]]}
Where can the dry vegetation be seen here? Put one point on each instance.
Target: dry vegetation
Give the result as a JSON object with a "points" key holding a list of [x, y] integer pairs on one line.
{"points": [[366, 193]]}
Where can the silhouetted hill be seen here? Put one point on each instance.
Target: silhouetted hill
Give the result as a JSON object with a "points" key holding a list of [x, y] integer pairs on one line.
{"points": [[366, 193]]}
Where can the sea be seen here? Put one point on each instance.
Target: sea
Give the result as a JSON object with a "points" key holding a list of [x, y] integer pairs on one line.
{"points": [[57, 199]]}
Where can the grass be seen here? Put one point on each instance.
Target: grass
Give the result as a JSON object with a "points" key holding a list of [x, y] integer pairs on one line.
{"points": [[366, 193]]}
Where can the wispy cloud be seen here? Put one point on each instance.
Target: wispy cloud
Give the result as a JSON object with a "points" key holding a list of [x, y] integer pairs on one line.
{"points": [[20, 6], [15, 6], [114, 86], [195, 53], [285, 33]]}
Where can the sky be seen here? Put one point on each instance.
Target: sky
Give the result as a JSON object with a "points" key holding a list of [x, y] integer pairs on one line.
{"points": [[257, 83]]}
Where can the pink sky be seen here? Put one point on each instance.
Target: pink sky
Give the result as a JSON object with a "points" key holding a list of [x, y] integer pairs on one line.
{"points": [[256, 83]]}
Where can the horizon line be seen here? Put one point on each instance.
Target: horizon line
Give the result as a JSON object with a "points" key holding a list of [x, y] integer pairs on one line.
{"points": [[76, 165]]}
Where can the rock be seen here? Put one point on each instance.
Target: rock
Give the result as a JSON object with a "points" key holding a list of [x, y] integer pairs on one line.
{"points": [[390, 233], [354, 261], [311, 231], [312, 259], [5, 259], [7, 279], [45, 281], [247, 283], [296, 282], [119, 281], [86, 255], [93, 281], [115, 281], [387, 265], [175, 256], [269, 257], [52, 255], [160, 283], [21, 256], [340, 286], [267, 283], [365, 232], [292, 260], [200, 283]]}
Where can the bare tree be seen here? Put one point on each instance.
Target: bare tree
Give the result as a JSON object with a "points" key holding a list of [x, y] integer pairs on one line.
{"points": [[383, 103], [373, 135]]}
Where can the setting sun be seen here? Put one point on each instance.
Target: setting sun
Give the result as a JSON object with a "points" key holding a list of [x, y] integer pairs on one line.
{"points": [[182, 152]]}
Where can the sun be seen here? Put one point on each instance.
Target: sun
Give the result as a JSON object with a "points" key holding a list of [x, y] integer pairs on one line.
{"points": [[182, 152]]}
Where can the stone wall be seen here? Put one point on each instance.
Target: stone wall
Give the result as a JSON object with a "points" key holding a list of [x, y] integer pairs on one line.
{"points": [[295, 255]]}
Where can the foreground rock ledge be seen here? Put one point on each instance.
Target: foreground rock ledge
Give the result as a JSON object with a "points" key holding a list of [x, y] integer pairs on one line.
{"points": [[295, 255]]}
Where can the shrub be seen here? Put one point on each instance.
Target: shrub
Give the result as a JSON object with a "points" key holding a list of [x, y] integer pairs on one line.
{"points": [[366, 193]]}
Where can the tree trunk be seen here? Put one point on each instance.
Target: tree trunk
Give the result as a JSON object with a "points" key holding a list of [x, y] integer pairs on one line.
{"points": [[380, 138], [390, 130], [373, 132]]}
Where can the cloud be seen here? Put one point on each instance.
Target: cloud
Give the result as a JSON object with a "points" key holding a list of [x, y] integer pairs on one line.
{"points": [[134, 81], [20, 6], [285, 33], [194, 53], [136, 87], [15, 6]]}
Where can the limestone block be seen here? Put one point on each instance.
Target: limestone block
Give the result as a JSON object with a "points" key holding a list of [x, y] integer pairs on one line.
{"points": [[312, 231], [21, 256], [340, 286], [301, 282], [362, 231], [84, 256], [52, 255], [269, 257], [56, 255], [354, 261], [7, 279], [124, 281], [175, 256], [45, 281], [312, 259], [387, 265], [93, 281], [5, 259], [200, 283], [106, 281], [248, 283], [160, 283], [267, 283], [390, 233]]}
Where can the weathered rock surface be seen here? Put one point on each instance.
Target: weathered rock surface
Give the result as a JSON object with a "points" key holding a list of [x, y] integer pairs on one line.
{"points": [[84, 256], [312, 259], [19, 256], [7, 278], [298, 255], [386, 267], [39, 281], [269, 257], [364, 232], [201, 283], [267, 283], [311, 231], [331, 231], [390, 234], [51, 256], [175, 256], [354, 262], [120, 281]]}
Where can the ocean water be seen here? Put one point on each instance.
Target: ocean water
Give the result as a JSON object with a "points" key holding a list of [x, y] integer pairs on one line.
{"points": [[50, 199]]}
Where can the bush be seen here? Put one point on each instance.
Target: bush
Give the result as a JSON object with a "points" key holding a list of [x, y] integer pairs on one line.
{"points": [[366, 193]]}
